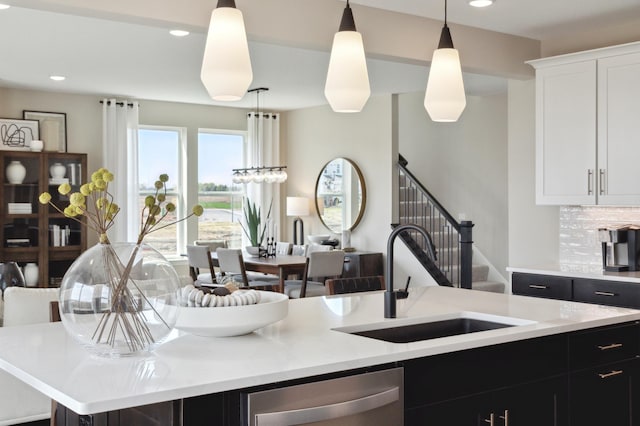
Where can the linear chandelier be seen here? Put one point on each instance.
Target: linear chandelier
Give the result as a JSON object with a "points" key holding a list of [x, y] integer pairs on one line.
{"points": [[259, 174], [274, 174]]}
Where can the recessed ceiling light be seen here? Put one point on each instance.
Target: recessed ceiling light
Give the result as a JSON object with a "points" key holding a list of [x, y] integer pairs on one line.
{"points": [[4, 6], [481, 3], [57, 77], [179, 33]]}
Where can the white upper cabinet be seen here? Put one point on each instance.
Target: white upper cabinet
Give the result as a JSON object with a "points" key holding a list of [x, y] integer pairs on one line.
{"points": [[566, 134], [588, 127], [619, 130]]}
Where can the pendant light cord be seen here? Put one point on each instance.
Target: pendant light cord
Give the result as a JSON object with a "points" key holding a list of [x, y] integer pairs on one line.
{"points": [[445, 12]]}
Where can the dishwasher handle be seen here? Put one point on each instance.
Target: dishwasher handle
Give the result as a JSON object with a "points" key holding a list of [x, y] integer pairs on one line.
{"points": [[329, 411]]}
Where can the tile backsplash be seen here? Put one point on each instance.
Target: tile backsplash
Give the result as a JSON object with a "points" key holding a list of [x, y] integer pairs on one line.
{"points": [[580, 249]]}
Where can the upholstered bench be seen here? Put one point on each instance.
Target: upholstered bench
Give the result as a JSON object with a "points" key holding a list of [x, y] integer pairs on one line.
{"points": [[19, 402]]}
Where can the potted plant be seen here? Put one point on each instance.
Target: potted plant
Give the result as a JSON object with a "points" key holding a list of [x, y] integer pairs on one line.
{"points": [[254, 228]]}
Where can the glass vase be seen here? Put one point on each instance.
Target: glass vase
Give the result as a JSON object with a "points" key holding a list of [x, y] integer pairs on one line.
{"points": [[119, 299]]}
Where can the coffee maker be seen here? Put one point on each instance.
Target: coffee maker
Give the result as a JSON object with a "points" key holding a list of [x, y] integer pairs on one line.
{"points": [[620, 248]]}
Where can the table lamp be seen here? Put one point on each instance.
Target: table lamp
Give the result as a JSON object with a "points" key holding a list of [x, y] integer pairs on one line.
{"points": [[297, 206]]}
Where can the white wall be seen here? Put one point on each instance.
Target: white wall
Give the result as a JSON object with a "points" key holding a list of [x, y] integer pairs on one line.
{"points": [[533, 230], [605, 31], [314, 136], [84, 117], [463, 164]]}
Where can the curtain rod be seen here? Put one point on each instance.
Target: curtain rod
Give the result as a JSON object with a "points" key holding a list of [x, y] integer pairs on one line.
{"points": [[118, 103], [264, 114]]}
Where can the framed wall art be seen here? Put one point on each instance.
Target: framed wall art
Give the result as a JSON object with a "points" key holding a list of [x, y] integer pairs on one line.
{"points": [[53, 128], [16, 135]]}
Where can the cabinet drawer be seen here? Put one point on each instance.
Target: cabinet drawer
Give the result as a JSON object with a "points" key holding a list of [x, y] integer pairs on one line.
{"points": [[547, 286], [602, 395], [603, 345], [457, 374], [612, 293]]}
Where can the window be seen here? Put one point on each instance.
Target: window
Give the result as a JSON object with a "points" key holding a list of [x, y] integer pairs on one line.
{"points": [[158, 152], [218, 153], [165, 150]]}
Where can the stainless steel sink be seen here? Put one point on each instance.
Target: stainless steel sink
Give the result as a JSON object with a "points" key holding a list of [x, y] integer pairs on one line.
{"points": [[433, 328]]}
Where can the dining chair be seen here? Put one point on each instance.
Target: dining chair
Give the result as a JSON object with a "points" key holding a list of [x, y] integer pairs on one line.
{"points": [[199, 258], [231, 264], [355, 284], [299, 249], [283, 248], [320, 266], [318, 247], [212, 244]]}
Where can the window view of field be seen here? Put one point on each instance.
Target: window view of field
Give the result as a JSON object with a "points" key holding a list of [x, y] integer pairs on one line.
{"points": [[217, 154], [220, 221], [221, 218]]}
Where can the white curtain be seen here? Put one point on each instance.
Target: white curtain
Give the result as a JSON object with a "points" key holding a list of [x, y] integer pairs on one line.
{"points": [[120, 156], [264, 150]]}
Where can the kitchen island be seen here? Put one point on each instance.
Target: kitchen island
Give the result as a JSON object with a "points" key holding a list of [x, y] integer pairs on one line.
{"points": [[302, 345]]}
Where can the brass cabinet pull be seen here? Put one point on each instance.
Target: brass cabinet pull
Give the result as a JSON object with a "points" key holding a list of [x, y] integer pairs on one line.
{"points": [[490, 420], [505, 417], [610, 374], [604, 293], [538, 286], [611, 346]]}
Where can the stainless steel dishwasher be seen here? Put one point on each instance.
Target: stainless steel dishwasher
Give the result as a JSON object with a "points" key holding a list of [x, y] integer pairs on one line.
{"points": [[371, 399]]}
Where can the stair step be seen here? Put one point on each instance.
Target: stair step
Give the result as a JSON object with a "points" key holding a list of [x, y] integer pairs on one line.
{"points": [[490, 286], [479, 273], [424, 220]]}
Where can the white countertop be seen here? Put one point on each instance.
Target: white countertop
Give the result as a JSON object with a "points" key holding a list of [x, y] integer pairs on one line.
{"points": [[567, 271], [301, 345]]}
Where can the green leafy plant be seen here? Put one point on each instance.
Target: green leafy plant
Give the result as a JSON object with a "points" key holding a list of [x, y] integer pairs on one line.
{"points": [[253, 219]]}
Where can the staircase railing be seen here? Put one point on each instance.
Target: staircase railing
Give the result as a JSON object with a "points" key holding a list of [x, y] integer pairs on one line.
{"points": [[453, 240]]}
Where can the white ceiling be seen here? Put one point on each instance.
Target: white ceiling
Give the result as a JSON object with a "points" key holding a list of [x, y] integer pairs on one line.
{"points": [[536, 19], [106, 57]]}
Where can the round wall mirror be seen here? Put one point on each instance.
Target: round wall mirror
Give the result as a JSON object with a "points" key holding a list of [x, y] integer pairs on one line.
{"points": [[340, 195]]}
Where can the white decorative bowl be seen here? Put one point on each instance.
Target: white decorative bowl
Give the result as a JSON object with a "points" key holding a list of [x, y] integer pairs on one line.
{"points": [[317, 239], [233, 320]]}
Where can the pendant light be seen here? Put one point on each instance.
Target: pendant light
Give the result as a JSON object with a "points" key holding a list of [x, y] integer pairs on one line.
{"points": [[481, 3], [226, 66], [444, 98], [347, 86]]}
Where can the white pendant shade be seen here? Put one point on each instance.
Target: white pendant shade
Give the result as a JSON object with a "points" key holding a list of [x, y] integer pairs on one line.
{"points": [[444, 99], [347, 86], [226, 66]]}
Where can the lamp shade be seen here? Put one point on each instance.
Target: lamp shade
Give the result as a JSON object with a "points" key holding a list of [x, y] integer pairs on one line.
{"points": [[297, 206], [444, 99], [347, 87], [226, 67]]}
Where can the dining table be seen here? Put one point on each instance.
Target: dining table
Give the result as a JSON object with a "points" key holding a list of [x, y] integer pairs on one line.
{"points": [[280, 265]]}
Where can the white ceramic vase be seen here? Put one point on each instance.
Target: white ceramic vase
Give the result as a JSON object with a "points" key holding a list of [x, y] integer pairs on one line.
{"points": [[36, 145], [30, 273], [57, 170], [16, 172]]}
